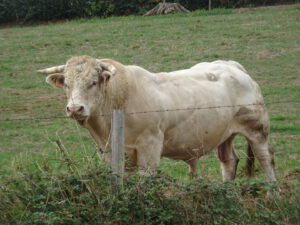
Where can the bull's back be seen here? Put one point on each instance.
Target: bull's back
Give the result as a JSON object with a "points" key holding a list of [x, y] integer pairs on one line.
{"points": [[231, 75]]}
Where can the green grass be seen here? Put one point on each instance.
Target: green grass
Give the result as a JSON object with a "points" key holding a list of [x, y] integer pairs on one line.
{"points": [[265, 41]]}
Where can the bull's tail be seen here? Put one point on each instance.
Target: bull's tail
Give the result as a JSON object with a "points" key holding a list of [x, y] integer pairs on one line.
{"points": [[250, 161]]}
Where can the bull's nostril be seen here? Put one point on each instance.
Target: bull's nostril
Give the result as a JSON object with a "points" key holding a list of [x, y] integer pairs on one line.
{"points": [[80, 109], [68, 109]]}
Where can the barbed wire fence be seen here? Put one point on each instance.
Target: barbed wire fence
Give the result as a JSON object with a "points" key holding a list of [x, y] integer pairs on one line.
{"points": [[117, 131]]}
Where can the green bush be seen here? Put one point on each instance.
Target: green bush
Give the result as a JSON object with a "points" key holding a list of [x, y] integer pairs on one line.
{"points": [[46, 10], [73, 191], [41, 10]]}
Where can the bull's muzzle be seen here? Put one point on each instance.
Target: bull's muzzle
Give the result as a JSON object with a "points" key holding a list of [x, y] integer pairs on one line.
{"points": [[76, 111]]}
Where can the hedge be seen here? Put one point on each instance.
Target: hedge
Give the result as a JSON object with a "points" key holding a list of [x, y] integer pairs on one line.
{"points": [[20, 11], [65, 190]]}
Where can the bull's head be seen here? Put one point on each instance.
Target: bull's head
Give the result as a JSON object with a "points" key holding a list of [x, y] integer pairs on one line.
{"points": [[84, 79]]}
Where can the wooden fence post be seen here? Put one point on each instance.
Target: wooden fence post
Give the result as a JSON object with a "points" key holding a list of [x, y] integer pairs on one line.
{"points": [[118, 146], [209, 5]]}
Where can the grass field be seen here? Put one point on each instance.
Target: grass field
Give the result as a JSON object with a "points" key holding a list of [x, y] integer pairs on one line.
{"points": [[265, 41]]}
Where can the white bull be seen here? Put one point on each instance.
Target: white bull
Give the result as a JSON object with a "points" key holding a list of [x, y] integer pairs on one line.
{"points": [[188, 112]]}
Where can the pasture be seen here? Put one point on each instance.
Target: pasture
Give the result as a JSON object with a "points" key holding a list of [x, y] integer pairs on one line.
{"points": [[32, 117]]}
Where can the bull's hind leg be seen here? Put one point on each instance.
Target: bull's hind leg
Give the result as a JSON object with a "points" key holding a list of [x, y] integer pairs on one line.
{"points": [[255, 127], [261, 150], [228, 158]]}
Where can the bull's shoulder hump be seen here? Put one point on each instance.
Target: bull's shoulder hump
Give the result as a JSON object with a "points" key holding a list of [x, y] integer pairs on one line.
{"points": [[139, 74], [113, 62], [137, 70]]}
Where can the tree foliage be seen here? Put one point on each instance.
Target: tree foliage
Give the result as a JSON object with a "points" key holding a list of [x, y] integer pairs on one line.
{"points": [[46, 10]]}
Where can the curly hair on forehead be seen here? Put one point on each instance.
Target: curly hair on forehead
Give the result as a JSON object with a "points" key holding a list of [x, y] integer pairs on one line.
{"points": [[79, 64]]}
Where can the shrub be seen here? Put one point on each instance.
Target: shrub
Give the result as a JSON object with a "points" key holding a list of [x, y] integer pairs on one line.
{"points": [[73, 191], [46, 10]]}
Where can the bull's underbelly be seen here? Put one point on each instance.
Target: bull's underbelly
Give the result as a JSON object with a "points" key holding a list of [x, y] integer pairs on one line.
{"points": [[193, 140], [186, 148]]}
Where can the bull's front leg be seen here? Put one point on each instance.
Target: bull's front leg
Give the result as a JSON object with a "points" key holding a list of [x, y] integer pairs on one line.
{"points": [[149, 148]]}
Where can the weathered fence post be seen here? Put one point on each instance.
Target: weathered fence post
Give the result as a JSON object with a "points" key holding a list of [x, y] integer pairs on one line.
{"points": [[118, 145], [209, 4]]}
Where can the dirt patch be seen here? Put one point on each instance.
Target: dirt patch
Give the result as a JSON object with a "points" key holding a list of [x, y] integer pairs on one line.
{"points": [[59, 96], [292, 175], [293, 137], [295, 82], [14, 110]]}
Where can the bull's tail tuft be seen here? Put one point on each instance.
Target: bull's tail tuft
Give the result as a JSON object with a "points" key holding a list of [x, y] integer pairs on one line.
{"points": [[250, 161]]}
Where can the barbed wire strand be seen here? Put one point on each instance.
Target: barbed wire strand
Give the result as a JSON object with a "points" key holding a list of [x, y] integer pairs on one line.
{"points": [[153, 111], [4, 109]]}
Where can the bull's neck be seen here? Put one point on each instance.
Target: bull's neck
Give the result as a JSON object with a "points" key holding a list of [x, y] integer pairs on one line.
{"points": [[114, 96], [99, 127]]}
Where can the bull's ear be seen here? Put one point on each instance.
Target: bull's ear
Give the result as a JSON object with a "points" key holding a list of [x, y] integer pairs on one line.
{"points": [[107, 72], [56, 80]]}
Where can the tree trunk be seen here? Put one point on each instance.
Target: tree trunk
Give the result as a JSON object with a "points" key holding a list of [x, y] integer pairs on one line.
{"points": [[166, 8]]}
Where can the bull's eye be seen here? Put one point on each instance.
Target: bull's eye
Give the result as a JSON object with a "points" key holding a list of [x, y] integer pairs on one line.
{"points": [[66, 86], [94, 83]]}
